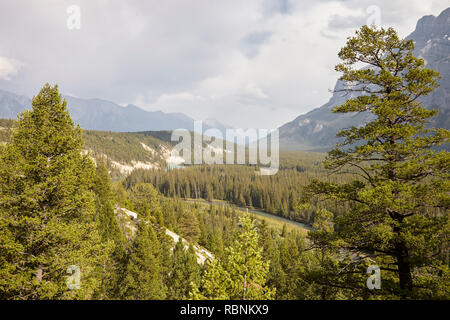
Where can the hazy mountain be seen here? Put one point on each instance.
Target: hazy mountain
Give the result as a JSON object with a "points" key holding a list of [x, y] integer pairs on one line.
{"points": [[316, 130], [12, 104], [97, 114]]}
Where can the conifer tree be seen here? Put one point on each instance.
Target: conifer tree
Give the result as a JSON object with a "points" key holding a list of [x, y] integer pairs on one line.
{"points": [[105, 204], [215, 283], [328, 272], [243, 273], [143, 278], [47, 206], [189, 225], [290, 263], [145, 201], [215, 242], [271, 253], [400, 200], [184, 272], [110, 231]]}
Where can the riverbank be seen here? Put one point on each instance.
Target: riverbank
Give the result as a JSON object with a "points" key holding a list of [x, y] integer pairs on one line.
{"points": [[271, 219]]}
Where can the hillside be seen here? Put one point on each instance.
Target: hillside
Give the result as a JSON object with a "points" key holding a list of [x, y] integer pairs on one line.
{"points": [[129, 221], [126, 151], [123, 152]]}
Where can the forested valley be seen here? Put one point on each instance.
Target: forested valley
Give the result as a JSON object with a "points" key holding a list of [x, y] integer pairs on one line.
{"points": [[243, 186], [378, 201], [122, 258]]}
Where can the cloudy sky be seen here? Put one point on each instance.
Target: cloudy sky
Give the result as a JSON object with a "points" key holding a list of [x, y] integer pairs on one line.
{"points": [[252, 63]]}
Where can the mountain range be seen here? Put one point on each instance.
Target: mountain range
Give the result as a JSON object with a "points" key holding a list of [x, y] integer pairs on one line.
{"points": [[313, 131], [316, 130], [98, 114]]}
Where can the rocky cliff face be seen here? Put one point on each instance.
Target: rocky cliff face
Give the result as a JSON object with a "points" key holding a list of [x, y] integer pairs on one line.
{"points": [[432, 40], [316, 130]]}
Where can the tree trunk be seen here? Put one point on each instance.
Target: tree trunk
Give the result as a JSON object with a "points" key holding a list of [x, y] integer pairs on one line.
{"points": [[404, 266]]}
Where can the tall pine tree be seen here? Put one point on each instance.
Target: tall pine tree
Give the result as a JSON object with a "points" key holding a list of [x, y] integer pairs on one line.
{"points": [[400, 200], [143, 276], [47, 206], [243, 273], [184, 271], [110, 232]]}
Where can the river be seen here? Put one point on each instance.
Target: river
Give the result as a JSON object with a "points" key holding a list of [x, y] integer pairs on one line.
{"points": [[254, 211]]}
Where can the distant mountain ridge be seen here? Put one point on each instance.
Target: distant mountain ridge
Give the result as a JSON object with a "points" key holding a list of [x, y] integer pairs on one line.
{"points": [[98, 114], [316, 130]]}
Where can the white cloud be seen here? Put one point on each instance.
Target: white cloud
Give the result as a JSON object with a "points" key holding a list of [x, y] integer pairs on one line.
{"points": [[8, 68], [255, 92], [253, 63]]}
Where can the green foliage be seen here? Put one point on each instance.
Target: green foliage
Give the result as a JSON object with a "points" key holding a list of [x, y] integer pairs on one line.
{"points": [[110, 231], [189, 226], [116, 148], [6, 126], [183, 273], [143, 278], [243, 272], [145, 200], [242, 185], [215, 283], [57, 209], [47, 206], [248, 271], [388, 206], [400, 201]]}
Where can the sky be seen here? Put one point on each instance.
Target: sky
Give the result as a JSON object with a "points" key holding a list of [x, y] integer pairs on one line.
{"points": [[248, 64]]}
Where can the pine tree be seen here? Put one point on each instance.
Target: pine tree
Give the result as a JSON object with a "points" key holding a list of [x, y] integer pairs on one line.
{"points": [[47, 206], [145, 201], [242, 274], [105, 204], [184, 272], [289, 261], [271, 252], [215, 242], [215, 283], [189, 225], [110, 230], [143, 278], [399, 203], [247, 269], [328, 272], [120, 195]]}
